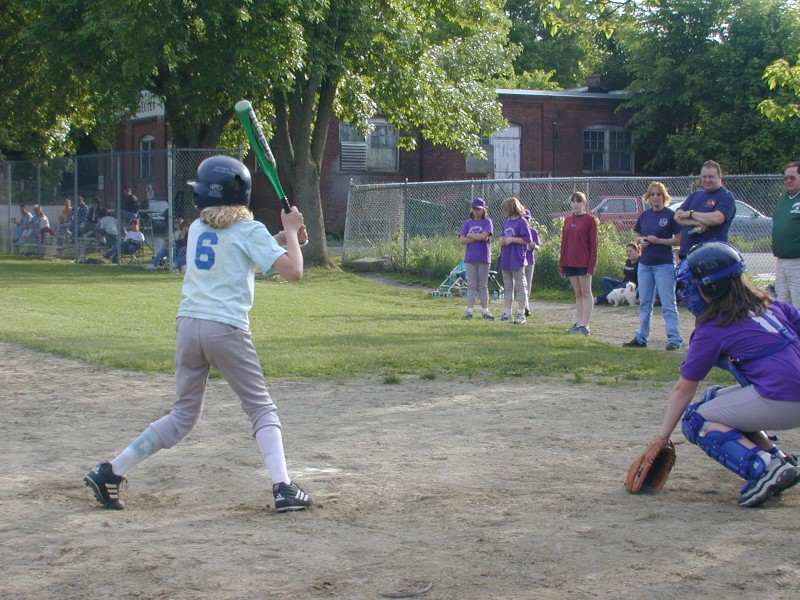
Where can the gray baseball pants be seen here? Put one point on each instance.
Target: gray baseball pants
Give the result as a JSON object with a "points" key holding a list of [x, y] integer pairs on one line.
{"points": [[204, 344]]}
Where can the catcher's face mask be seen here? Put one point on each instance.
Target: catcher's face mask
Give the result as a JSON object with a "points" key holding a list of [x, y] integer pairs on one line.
{"points": [[687, 289]]}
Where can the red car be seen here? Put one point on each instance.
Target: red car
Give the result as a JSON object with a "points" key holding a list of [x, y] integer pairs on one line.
{"points": [[622, 211]]}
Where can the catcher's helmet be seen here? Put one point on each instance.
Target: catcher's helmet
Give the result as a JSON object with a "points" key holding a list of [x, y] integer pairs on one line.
{"points": [[220, 181], [708, 268]]}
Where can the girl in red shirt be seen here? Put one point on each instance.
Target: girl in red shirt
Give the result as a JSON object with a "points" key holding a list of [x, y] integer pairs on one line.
{"points": [[579, 241]]}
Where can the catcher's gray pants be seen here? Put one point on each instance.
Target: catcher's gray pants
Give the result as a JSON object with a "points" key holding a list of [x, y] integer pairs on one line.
{"points": [[204, 344], [478, 282], [742, 408]]}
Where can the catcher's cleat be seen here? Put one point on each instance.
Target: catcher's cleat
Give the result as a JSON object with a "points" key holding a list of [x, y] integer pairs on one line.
{"points": [[289, 496], [778, 476], [105, 485]]}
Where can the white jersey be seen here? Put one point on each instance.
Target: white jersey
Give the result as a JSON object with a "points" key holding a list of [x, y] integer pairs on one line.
{"points": [[220, 270]]}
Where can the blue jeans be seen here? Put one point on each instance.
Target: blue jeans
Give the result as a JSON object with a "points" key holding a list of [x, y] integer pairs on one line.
{"points": [[179, 255], [661, 279], [609, 284]]}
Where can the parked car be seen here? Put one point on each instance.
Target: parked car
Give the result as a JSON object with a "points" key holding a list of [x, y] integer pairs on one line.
{"points": [[622, 211], [748, 223]]}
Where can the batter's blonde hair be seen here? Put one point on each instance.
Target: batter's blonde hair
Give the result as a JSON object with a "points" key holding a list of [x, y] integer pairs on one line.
{"points": [[222, 217]]}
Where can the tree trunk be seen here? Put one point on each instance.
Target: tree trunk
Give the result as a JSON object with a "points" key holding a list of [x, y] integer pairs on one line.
{"points": [[308, 200]]}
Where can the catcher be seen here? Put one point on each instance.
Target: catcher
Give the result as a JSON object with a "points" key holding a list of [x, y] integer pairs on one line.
{"points": [[744, 330]]}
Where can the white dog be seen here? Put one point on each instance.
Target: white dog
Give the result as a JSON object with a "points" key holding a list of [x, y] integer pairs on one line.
{"points": [[623, 294]]}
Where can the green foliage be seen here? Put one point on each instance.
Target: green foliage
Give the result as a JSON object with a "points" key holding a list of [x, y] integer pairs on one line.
{"points": [[535, 80], [781, 75], [427, 257], [329, 326], [698, 78], [433, 258], [610, 257], [572, 38]]}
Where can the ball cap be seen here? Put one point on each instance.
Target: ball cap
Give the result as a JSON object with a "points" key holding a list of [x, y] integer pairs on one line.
{"points": [[479, 203]]}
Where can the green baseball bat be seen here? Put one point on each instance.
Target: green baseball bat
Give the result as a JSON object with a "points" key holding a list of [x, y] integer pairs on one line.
{"points": [[260, 146]]}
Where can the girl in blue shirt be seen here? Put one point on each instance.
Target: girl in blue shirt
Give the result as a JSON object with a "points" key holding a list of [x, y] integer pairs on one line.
{"points": [[224, 249]]}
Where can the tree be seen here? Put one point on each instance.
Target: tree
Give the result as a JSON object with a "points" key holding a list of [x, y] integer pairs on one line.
{"points": [[783, 76], [574, 38], [39, 110], [426, 66], [698, 79]]}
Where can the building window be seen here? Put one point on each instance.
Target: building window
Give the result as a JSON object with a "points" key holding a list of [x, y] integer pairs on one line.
{"points": [[607, 150], [375, 152], [147, 158]]}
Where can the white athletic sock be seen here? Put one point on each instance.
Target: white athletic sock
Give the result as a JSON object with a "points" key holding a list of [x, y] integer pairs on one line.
{"points": [[270, 442], [486, 311], [469, 311], [147, 444]]}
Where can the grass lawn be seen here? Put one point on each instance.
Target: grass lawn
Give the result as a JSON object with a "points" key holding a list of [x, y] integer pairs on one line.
{"points": [[331, 325]]}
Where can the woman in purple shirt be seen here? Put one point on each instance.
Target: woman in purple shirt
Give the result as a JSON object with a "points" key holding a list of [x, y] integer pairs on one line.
{"points": [[476, 235], [740, 328]]}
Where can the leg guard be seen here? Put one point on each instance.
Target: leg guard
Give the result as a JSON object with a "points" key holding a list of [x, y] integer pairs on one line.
{"points": [[723, 446]]}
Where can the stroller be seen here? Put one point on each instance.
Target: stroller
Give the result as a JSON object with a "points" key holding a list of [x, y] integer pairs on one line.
{"points": [[496, 290], [456, 281]]}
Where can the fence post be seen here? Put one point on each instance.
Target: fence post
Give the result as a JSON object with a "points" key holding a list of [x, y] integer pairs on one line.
{"points": [[405, 224], [118, 200], [170, 208], [12, 230]]}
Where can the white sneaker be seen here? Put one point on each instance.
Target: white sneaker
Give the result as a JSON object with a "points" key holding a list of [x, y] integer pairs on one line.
{"points": [[150, 267], [778, 476], [183, 269]]}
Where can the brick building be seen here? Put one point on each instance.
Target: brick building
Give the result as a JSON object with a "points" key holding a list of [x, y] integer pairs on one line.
{"points": [[559, 134]]}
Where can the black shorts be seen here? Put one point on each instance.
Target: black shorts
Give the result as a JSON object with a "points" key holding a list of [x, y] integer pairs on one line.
{"points": [[575, 271]]}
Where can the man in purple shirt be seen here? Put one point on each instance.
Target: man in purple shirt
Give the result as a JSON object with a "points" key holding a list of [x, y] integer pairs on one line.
{"points": [[706, 214]]}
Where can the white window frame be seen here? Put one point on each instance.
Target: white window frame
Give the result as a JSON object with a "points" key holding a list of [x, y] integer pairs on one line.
{"points": [[147, 158], [606, 154]]}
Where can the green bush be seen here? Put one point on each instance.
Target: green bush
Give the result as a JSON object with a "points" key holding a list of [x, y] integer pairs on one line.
{"points": [[610, 255], [435, 257]]}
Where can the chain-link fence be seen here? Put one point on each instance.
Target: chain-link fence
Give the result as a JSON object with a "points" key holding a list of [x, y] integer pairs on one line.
{"points": [[395, 214], [156, 178]]}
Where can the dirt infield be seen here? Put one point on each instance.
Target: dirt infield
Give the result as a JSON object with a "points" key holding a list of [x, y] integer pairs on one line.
{"points": [[445, 490]]}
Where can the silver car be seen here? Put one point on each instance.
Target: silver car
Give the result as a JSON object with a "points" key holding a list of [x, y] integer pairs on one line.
{"points": [[748, 223]]}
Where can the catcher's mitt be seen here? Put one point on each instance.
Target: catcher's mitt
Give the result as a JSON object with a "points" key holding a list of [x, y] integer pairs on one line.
{"points": [[649, 472]]}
